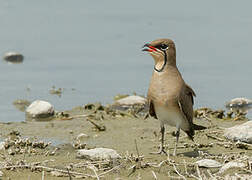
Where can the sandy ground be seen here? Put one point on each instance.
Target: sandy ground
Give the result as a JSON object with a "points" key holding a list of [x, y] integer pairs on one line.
{"points": [[132, 137]]}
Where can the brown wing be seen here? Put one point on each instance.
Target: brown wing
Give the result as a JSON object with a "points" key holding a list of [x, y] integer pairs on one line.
{"points": [[186, 103], [186, 106], [190, 92]]}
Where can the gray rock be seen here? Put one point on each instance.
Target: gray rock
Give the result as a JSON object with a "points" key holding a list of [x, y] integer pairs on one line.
{"points": [[232, 164], [131, 100], [208, 163], [238, 102], [98, 154], [13, 57], [240, 132], [239, 105], [40, 109]]}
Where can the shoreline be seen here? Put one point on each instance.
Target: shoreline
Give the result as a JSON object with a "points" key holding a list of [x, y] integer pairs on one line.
{"points": [[123, 132]]}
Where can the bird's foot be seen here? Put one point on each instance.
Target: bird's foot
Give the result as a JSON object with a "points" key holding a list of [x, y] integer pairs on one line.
{"points": [[160, 151]]}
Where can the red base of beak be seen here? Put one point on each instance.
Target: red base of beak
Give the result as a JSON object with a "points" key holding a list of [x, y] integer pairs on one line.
{"points": [[150, 48]]}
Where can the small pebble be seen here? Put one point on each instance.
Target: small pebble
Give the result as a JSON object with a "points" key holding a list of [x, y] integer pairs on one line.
{"points": [[2, 145], [82, 136], [98, 154], [131, 100], [13, 57]]}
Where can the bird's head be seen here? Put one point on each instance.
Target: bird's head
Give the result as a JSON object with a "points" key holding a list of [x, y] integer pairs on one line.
{"points": [[163, 52]]}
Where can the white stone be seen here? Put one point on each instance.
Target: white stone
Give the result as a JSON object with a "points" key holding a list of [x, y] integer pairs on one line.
{"points": [[82, 136], [232, 164], [2, 144], [98, 154], [40, 109], [239, 102], [208, 163], [131, 100], [13, 57], [241, 132]]}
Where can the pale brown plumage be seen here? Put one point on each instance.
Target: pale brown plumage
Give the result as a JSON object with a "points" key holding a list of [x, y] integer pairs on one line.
{"points": [[170, 98]]}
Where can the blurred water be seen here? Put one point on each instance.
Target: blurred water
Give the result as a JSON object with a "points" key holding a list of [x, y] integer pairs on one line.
{"points": [[95, 47]]}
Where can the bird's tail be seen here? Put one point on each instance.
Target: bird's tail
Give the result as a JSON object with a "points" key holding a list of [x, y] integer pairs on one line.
{"points": [[198, 127], [190, 133]]}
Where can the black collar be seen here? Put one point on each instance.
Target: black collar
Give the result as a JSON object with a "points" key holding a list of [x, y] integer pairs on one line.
{"points": [[165, 61]]}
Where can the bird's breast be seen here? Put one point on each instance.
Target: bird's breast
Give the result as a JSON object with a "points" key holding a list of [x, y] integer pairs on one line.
{"points": [[165, 87]]}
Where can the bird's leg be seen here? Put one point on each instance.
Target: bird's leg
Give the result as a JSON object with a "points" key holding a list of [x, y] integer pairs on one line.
{"points": [[176, 143], [162, 140], [161, 148]]}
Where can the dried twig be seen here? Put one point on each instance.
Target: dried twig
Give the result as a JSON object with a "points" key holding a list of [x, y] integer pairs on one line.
{"points": [[154, 175], [185, 168], [216, 138], [114, 168], [249, 165], [85, 164], [100, 128], [133, 170], [186, 171], [160, 164], [238, 176], [242, 145], [137, 149], [70, 177], [175, 169], [210, 174], [198, 172], [195, 177], [93, 169], [173, 177], [209, 120], [81, 115], [46, 168]]}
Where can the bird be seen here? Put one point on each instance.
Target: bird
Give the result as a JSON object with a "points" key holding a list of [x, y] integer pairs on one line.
{"points": [[170, 99]]}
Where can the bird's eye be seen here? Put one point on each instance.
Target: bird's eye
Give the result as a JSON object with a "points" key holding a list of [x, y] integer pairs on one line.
{"points": [[163, 46]]}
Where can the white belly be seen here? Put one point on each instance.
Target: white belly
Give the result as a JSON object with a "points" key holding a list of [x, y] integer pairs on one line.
{"points": [[171, 117]]}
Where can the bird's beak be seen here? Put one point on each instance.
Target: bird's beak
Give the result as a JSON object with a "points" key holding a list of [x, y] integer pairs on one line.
{"points": [[149, 48]]}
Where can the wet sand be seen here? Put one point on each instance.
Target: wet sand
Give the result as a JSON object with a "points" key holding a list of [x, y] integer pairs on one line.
{"points": [[123, 133]]}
